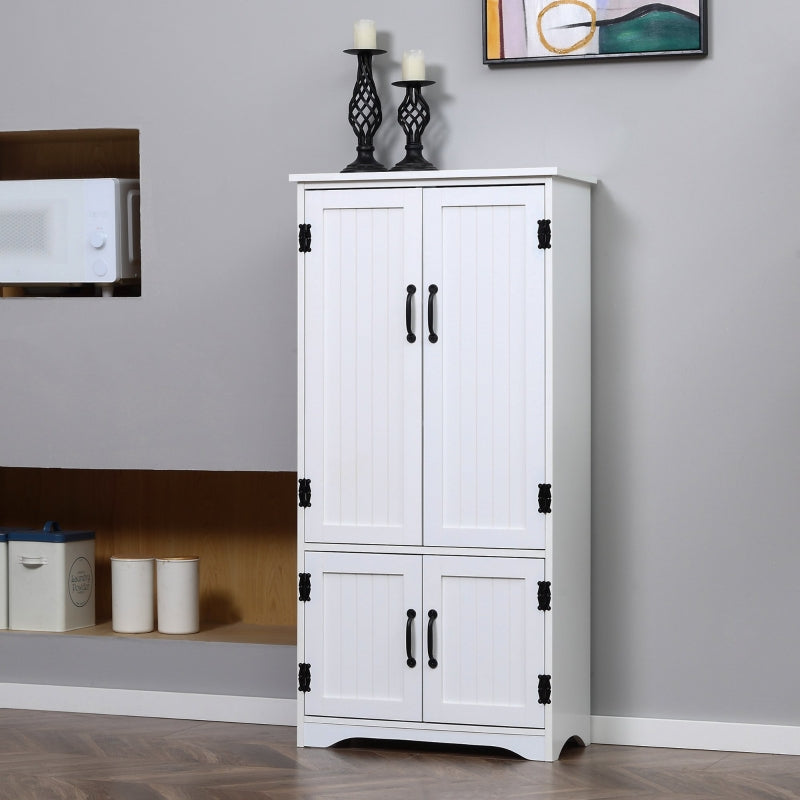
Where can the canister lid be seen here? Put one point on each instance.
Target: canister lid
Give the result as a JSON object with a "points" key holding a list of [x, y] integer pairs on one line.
{"points": [[50, 533], [125, 557], [178, 558], [6, 530]]}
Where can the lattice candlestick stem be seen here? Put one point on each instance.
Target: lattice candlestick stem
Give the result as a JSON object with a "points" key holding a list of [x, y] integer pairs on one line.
{"points": [[365, 113], [413, 114]]}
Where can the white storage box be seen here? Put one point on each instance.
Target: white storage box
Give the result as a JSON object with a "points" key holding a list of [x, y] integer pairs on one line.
{"points": [[50, 579]]}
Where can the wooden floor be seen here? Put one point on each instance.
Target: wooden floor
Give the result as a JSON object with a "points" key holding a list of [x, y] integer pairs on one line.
{"points": [[49, 755]]}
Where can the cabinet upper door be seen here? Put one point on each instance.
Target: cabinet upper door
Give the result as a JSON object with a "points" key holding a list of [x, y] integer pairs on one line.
{"points": [[487, 639], [484, 375], [363, 392], [363, 646]]}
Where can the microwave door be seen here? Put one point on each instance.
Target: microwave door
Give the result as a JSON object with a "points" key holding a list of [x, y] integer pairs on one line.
{"points": [[41, 239]]}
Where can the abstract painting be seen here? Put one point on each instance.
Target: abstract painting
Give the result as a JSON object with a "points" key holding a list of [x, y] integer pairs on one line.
{"points": [[548, 30]]}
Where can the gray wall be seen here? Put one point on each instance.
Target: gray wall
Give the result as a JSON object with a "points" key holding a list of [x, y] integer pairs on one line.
{"points": [[696, 289], [140, 663]]}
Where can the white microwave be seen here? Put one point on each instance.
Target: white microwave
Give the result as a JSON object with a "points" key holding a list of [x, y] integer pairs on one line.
{"points": [[69, 231]]}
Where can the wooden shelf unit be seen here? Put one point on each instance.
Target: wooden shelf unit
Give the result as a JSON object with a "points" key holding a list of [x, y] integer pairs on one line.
{"points": [[240, 524], [87, 153], [95, 153]]}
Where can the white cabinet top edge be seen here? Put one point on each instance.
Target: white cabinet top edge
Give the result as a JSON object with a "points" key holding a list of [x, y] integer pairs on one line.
{"points": [[433, 177]]}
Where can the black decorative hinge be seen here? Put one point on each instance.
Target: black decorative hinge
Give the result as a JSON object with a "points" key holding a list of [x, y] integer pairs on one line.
{"points": [[544, 234], [304, 238], [545, 498], [304, 678], [544, 595], [544, 690], [304, 587], [304, 492]]}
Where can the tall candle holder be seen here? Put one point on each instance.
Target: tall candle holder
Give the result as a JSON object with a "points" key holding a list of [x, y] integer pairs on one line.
{"points": [[413, 114], [365, 115]]}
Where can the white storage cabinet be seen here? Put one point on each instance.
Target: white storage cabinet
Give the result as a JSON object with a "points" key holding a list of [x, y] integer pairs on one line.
{"points": [[443, 458]]}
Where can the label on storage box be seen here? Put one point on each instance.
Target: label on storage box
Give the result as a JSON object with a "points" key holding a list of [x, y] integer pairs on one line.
{"points": [[80, 582]]}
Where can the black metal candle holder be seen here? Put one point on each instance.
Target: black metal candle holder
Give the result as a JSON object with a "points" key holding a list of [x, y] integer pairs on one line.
{"points": [[413, 114], [365, 115]]}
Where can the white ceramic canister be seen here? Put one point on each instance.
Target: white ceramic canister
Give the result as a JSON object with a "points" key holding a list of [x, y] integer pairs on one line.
{"points": [[178, 594], [131, 594]]}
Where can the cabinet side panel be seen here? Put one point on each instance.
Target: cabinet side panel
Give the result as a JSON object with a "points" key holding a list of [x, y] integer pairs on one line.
{"points": [[570, 278]]}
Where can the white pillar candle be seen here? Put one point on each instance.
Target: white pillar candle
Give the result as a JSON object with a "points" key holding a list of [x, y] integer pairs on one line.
{"points": [[364, 36], [413, 65]]}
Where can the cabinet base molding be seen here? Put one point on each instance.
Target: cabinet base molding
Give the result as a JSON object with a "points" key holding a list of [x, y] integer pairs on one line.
{"points": [[738, 737], [139, 703], [529, 745], [735, 737]]}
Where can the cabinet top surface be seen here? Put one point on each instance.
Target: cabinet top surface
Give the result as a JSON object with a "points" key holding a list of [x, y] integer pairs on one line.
{"points": [[434, 177]]}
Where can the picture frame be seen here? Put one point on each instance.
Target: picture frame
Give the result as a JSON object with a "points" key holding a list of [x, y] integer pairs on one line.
{"points": [[533, 31]]}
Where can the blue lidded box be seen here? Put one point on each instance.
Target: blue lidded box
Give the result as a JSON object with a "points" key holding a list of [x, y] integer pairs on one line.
{"points": [[51, 577]]}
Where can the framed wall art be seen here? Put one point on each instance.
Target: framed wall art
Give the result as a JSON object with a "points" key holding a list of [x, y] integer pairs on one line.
{"points": [[562, 30]]}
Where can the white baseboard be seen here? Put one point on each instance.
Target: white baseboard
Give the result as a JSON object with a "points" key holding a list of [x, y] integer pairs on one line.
{"points": [[138, 703], [635, 731], [695, 735]]}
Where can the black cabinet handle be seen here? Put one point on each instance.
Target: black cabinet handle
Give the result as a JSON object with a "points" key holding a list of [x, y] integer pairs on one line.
{"points": [[410, 292], [432, 662], [410, 660], [432, 290]]}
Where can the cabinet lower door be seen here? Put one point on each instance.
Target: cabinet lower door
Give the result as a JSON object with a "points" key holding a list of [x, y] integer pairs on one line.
{"points": [[484, 369], [359, 637], [487, 641]]}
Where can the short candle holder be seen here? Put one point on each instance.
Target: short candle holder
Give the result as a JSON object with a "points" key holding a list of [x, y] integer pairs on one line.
{"points": [[413, 114], [365, 115]]}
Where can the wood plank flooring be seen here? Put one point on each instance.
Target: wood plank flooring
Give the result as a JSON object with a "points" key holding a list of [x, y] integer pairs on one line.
{"points": [[57, 756]]}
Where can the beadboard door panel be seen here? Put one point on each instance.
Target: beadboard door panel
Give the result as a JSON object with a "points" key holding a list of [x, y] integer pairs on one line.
{"points": [[363, 411], [356, 624], [488, 641], [484, 375]]}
